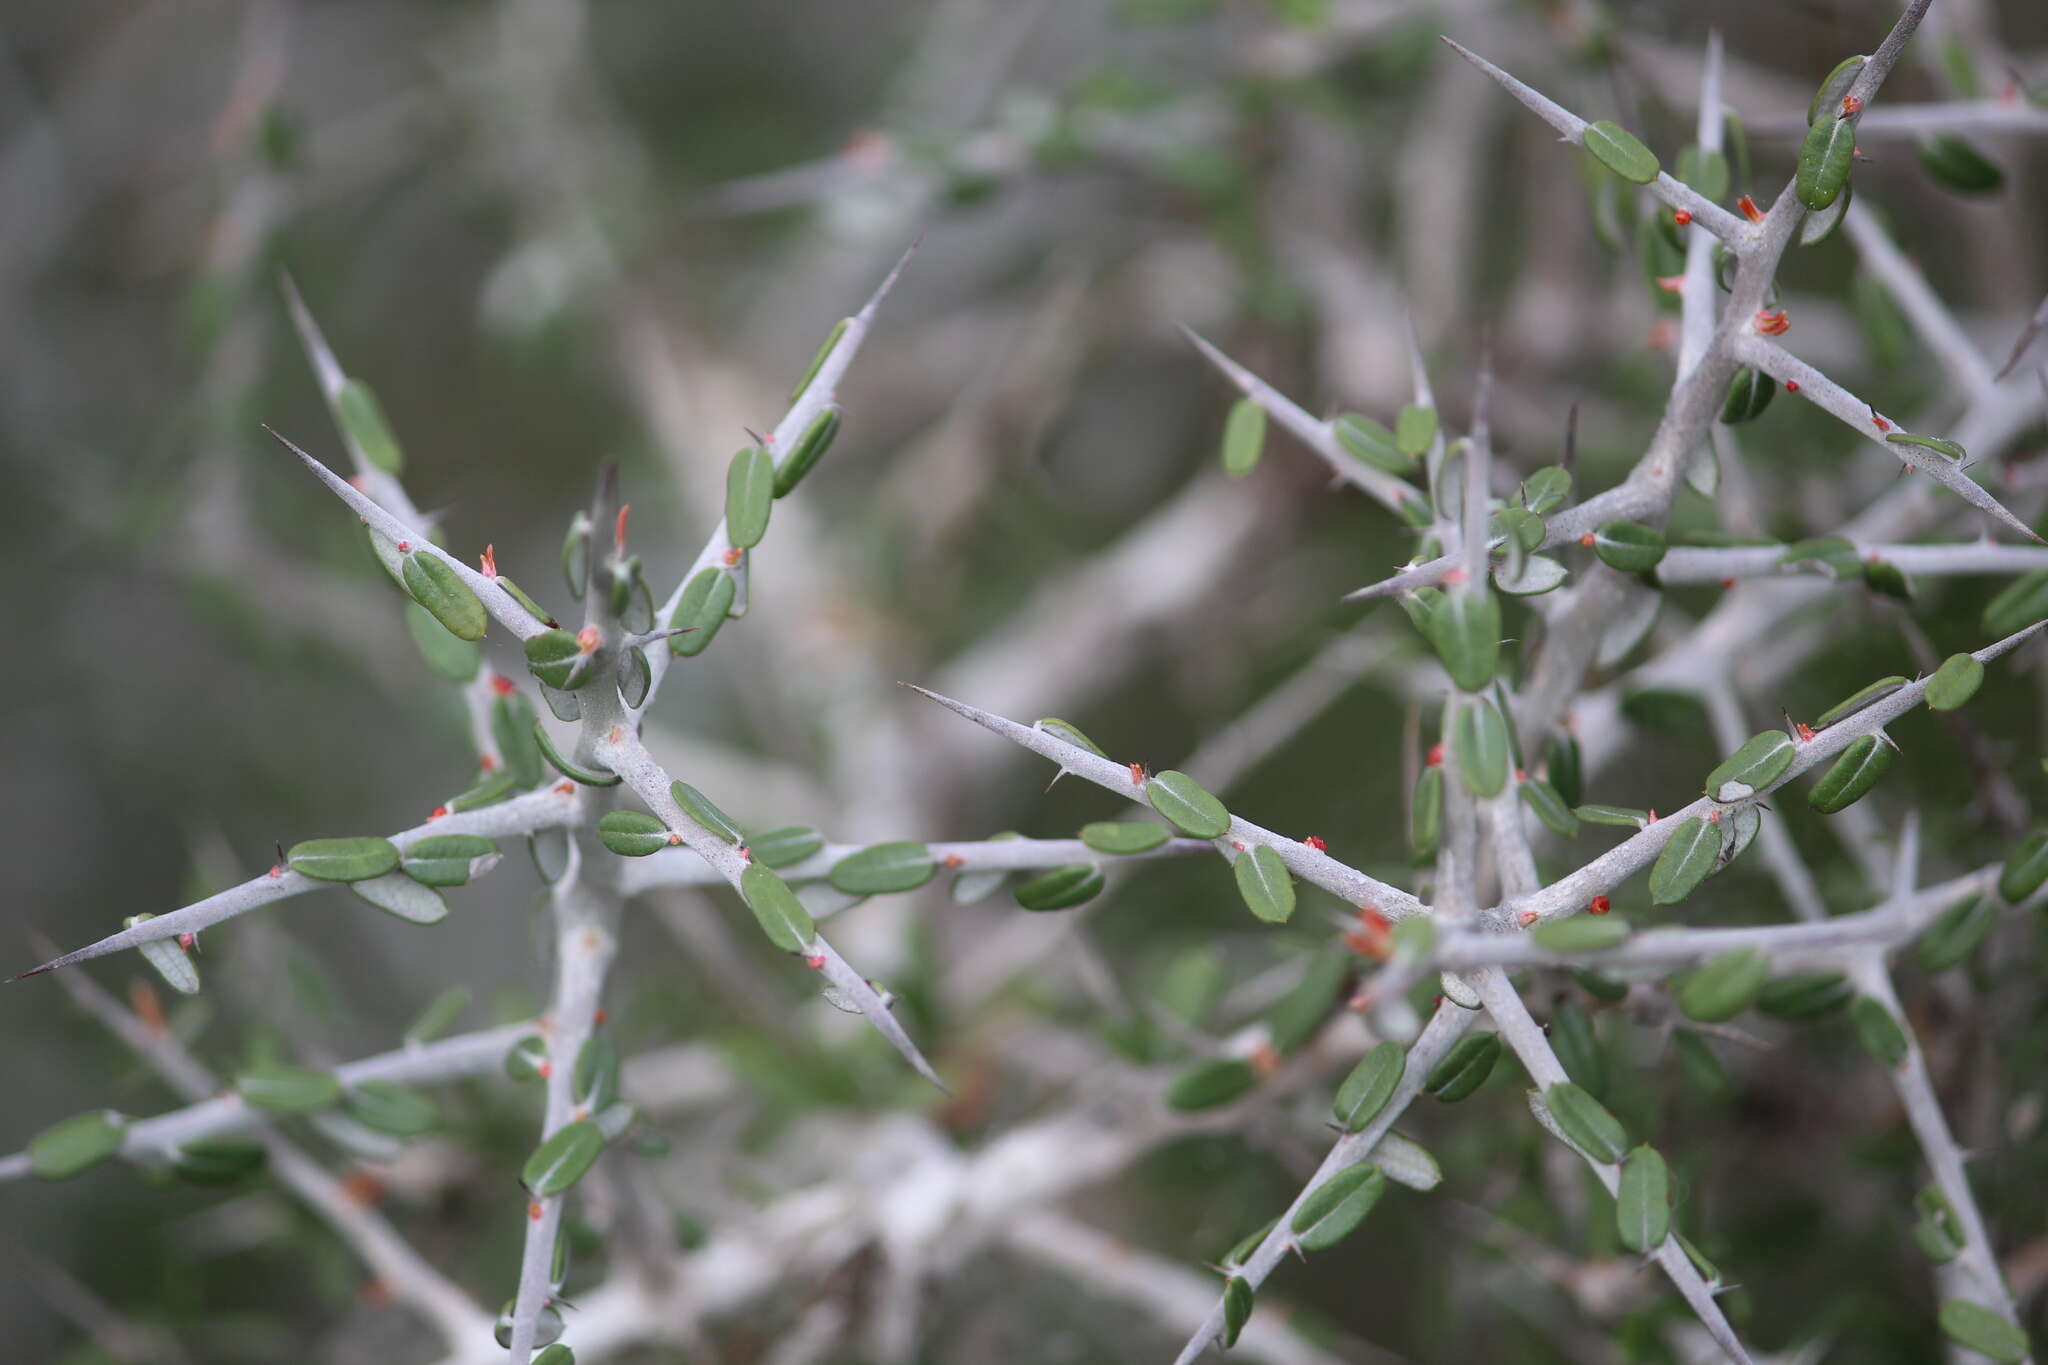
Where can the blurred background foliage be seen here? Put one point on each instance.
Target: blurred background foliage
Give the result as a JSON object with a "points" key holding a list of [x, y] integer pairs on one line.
{"points": [[551, 233]]}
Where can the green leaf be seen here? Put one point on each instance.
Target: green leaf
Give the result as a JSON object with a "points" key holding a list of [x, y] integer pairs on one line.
{"points": [[636, 675], [818, 363], [1616, 148], [807, 451], [1816, 228], [1705, 171], [782, 847], [1879, 1030], [1723, 987], [1370, 1085], [1370, 442], [361, 418], [77, 1144], [448, 859], [1546, 489], [701, 610], [343, 860], [1884, 577], [1983, 1331], [282, 1088], [1760, 761], [1954, 683], [1824, 160], [1062, 888], [704, 811], [213, 1162], [1244, 438], [1622, 817], [1702, 1069], [557, 1164], [1465, 632], [1415, 430], [526, 603], [441, 1012], [1238, 1297], [512, 721], [1480, 744], [1853, 775], [1642, 1202], [168, 959], [1629, 546], [595, 1081], [1248, 1245], [1335, 1208], [1664, 708], [1464, 1068], [2026, 867], [453, 659], [1940, 445], [1578, 1047], [1805, 995], [1540, 797], [589, 777], [1939, 1232], [399, 895], [882, 869], [1580, 934], [2022, 602], [1210, 1084], [490, 788], [1838, 556], [632, 833], [524, 1059], [1586, 1121], [1124, 836], [1749, 393], [1959, 166], [780, 914], [1264, 882], [1827, 100], [389, 1107], [1864, 696], [1685, 861], [558, 659], [557, 1354], [435, 585], [1956, 934], [1069, 732], [1187, 806], [1426, 814], [749, 496]]}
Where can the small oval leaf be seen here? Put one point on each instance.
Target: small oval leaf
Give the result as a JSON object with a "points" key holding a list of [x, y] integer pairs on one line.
{"points": [[557, 1164], [1192, 810], [1062, 888], [1464, 1068], [1954, 683], [782, 847], [1616, 148], [1852, 776], [343, 860], [1723, 987], [749, 496], [632, 833], [1244, 438], [883, 869], [1265, 884], [282, 1088], [1687, 857], [780, 914], [1642, 1202], [701, 610], [1210, 1084], [77, 1144], [1370, 1085]]}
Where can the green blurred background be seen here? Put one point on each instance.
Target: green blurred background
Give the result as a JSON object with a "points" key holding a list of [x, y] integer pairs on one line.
{"points": [[551, 234]]}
